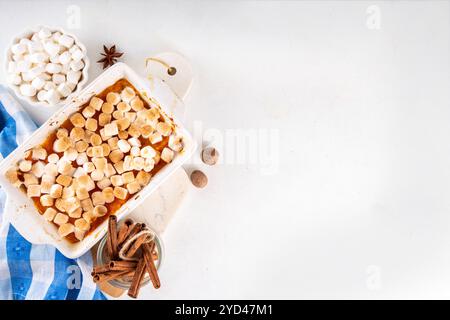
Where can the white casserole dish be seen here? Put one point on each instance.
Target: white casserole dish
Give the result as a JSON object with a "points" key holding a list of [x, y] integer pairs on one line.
{"points": [[20, 210]]}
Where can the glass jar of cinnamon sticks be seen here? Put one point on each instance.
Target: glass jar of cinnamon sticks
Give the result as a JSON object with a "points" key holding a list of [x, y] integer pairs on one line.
{"points": [[129, 256]]}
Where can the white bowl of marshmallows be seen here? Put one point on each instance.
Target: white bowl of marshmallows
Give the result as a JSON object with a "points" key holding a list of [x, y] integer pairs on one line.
{"points": [[45, 66]]}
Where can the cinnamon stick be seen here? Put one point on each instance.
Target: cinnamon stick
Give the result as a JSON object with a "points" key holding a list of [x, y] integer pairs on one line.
{"points": [[101, 277], [147, 249], [131, 232], [136, 245], [137, 279], [101, 269], [122, 265], [123, 230], [112, 237]]}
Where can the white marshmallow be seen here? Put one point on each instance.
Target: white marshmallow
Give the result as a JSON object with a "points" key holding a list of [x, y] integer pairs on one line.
{"points": [[54, 59], [45, 76], [38, 83], [36, 71], [49, 85], [56, 36], [52, 48], [77, 55], [18, 48], [27, 76], [42, 95], [35, 46], [39, 57], [73, 76], [15, 79], [53, 68], [17, 57], [44, 33], [23, 66], [77, 65], [27, 90], [53, 96], [58, 78], [64, 89], [65, 57], [66, 41], [12, 66]]}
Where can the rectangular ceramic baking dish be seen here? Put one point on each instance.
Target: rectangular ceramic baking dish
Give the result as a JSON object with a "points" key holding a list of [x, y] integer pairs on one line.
{"points": [[20, 210]]}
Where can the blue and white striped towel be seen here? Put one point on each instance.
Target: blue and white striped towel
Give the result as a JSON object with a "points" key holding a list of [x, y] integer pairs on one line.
{"points": [[30, 271]]}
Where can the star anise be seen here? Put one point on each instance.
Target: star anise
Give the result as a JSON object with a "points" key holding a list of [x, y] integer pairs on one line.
{"points": [[109, 56]]}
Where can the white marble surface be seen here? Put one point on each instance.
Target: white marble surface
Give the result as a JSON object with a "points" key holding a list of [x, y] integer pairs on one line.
{"points": [[358, 204]]}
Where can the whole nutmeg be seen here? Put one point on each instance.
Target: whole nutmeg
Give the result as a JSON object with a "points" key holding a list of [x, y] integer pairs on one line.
{"points": [[210, 156], [199, 179]]}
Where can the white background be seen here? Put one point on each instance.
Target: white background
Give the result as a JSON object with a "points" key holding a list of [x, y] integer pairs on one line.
{"points": [[358, 205]]}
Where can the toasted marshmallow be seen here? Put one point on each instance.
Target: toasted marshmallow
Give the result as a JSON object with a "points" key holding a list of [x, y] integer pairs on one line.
{"points": [[127, 94], [175, 143], [122, 135], [68, 192], [61, 218], [96, 140], [46, 182], [29, 179], [100, 211], [88, 112], [120, 193], [127, 163], [97, 152], [108, 193], [123, 123], [59, 204], [111, 129], [100, 163], [81, 146], [49, 214], [39, 153], [107, 107], [135, 151], [119, 167], [65, 167], [61, 145], [91, 124], [77, 120], [128, 177], [104, 119], [155, 137], [167, 155], [123, 107], [64, 180], [146, 131], [117, 114], [82, 193], [72, 204], [113, 143], [47, 200], [137, 104], [65, 229], [89, 216], [87, 182], [104, 183], [96, 103], [134, 130], [88, 167], [81, 159], [76, 213], [133, 187], [116, 156], [38, 168], [97, 175], [113, 98], [86, 204], [25, 165], [13, 178], [82, 224], [106, 149], [148, 152], [62, 133], [109, 170], [71, 154], [124, 146], [143, 178], [134, 142], [51, 169], [138, 163], [117, 180], [163, 128], [56, 191], [53, 158]]}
